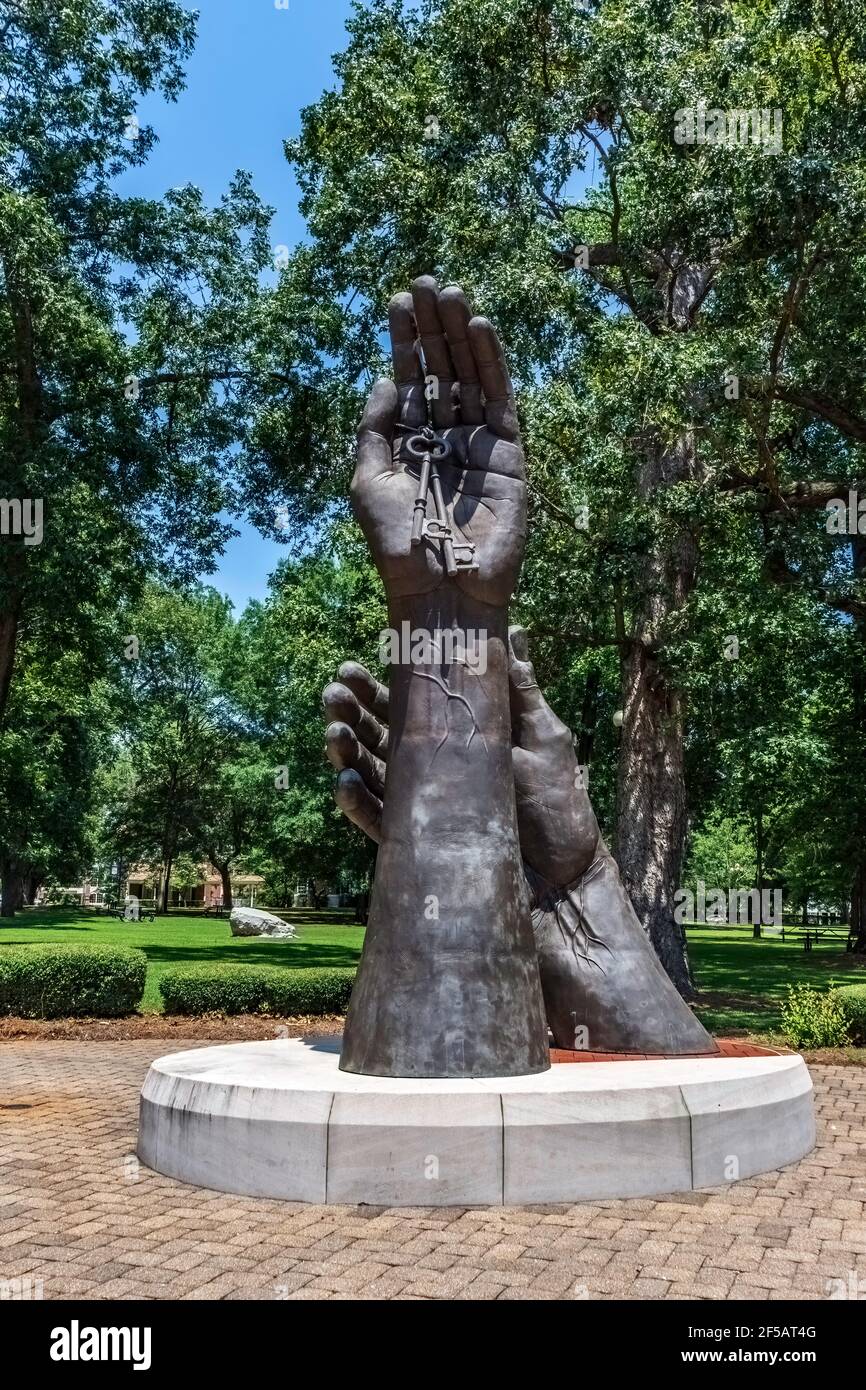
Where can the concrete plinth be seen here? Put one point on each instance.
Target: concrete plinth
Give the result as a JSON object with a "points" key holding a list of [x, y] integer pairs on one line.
{"points": [[278, 1119]]}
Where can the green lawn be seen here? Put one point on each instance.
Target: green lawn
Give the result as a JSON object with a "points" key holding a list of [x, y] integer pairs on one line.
{"points": [[744, 982], [181, 940]]}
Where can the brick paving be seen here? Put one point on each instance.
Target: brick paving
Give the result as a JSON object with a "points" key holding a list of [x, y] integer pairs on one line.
{"points": [[80, 1214]]}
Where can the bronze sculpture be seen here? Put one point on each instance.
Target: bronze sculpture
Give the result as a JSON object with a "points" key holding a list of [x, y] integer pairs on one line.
{"points": [[486, 831]]}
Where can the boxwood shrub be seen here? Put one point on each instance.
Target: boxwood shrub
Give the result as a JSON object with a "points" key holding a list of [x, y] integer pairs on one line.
{"points": [[71, 981], [853, 1001], [255, 989]]}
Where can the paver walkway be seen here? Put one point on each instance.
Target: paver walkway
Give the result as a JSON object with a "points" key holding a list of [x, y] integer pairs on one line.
{"points": [[79, 1214]]}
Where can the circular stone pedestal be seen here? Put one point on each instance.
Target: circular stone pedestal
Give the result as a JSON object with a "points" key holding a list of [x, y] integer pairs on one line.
{"points": [[278, 1119]]}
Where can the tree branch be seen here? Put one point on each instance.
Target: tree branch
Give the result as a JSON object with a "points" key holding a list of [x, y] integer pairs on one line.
{"points": [[844, 419]]}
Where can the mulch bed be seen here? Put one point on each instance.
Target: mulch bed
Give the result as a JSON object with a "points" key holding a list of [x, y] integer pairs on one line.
{"points": [[254, 1027], [728, 1047], [207, 1028]]}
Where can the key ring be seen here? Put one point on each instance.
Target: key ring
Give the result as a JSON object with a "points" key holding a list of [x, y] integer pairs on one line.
{"points": [[419, 445], [429, 449]]}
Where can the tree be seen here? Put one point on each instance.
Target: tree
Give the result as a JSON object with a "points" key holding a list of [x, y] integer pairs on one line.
{"points": [[51, 754], [234, 808], [686, 317], [186, 875], [722, 855], [126, 326], [181, 724], [324, 608]]}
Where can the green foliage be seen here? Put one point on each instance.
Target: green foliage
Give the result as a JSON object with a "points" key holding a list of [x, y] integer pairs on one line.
{"points": [[53, 749], [247, 989], [221, 753], [852, 999], [815, 1018], [182, 730], [323, 609], [722, 854], [71, 981], [554, 131], [112, 313], [186, 874]]}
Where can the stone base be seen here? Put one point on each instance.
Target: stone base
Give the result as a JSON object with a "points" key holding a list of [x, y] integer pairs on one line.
{"points": [[278, 1119]]}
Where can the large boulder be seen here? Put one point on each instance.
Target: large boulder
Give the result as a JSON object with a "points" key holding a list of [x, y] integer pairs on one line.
{"points": [[249, 921]]}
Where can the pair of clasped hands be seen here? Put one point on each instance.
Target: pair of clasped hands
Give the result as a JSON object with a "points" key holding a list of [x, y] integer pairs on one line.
{"points": [[484, 485]]}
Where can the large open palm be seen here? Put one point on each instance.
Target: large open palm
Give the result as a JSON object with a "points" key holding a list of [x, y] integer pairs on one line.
{"points": [[465, 380]]}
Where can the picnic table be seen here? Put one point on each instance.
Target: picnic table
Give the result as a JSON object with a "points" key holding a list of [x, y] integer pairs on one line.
{"points": [[813, 934], [808, 935], [118, 910]]}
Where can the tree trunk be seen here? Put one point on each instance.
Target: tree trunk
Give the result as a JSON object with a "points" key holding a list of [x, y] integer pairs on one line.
{"points": [[166, 886], [857, 923], [29, 433], [588, 718], [651, 792], [13, 888], [759, 856], [31, 888], [8, 641], [857, 920], [226, 876]]}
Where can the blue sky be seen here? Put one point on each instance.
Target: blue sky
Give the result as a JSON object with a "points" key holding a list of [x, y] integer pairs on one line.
{"points": [[254, 68]]}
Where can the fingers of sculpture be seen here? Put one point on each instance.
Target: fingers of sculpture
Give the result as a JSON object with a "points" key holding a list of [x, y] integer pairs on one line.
{"points": [[451, 364], [352, 705], [372, 694], [455, 315], [343, 706], [535, 727], [463, 378], [518, 644], [440, 371], [500, 412], [375, 455], [345, 750], [358, 803], [408, 367]]}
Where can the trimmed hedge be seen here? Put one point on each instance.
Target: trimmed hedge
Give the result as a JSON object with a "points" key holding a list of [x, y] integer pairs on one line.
{"points": [[71, 981], [255, 989], [853, 1001]]}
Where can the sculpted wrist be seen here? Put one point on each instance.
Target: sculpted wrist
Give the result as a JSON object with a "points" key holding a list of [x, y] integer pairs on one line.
{"points": [[558, 918]]}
